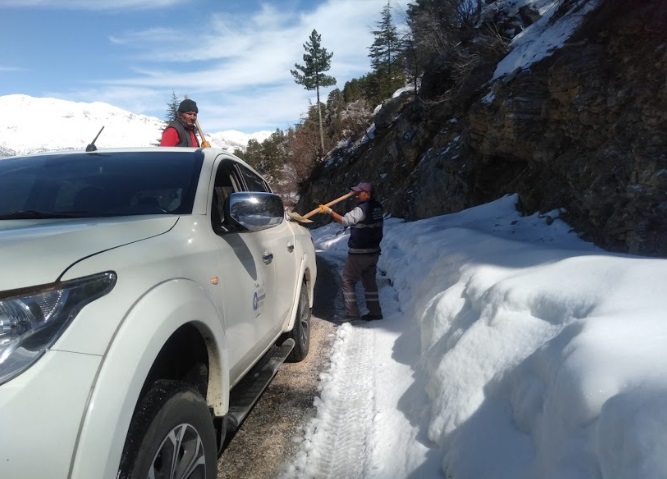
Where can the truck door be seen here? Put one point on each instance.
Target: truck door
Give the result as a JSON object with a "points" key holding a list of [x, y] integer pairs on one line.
{"points": [[280, 241], [247, 279]]}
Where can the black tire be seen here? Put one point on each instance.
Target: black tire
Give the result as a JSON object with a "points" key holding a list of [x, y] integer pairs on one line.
{"points": [[301, 331], [172, 416]]}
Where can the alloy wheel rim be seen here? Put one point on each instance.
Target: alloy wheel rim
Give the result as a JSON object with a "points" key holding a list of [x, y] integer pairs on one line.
{"points": [[180, 456]]}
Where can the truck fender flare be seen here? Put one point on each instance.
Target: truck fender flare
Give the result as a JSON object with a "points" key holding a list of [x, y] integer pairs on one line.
{"points": [[126, 363], [311, 285]]}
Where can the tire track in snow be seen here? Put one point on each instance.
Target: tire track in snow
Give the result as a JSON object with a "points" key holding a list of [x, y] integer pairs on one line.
{"points": [[337, 441]]}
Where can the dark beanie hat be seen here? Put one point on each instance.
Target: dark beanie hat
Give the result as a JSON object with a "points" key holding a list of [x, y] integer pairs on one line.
{"points": [[188, 105]]}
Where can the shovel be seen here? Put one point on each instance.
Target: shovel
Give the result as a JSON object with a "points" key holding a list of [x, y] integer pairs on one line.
{"points": [[304, 219], [204, 143]]}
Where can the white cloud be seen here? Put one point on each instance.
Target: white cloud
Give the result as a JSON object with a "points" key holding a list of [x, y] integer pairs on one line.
{"points": [[242, 60], [91, 5], [236, 56], [151, 35]]}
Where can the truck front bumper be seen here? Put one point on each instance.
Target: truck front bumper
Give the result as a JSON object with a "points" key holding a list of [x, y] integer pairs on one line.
{"points": [[40, 415]]}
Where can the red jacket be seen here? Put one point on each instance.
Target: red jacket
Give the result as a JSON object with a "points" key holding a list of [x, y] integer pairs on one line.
{"points": [[171, 137]]}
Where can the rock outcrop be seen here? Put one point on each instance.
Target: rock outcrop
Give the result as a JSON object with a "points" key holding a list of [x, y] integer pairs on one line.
{"points": [[584, 130]]}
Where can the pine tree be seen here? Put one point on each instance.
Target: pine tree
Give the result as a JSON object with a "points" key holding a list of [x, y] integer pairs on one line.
{"points": [[273, 155], [386, 54], [170, 115], [172, 108], [312, 75], [253, 153]]}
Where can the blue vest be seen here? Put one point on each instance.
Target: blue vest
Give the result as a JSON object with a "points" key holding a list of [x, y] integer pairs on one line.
{"points": [[366, 235]]}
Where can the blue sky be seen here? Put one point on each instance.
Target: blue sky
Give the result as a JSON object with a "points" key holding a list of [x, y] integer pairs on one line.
{"points": [[231, 56]]}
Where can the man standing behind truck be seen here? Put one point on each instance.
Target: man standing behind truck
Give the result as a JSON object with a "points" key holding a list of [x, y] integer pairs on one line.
{"points": [[181, 131], [366, 223]]}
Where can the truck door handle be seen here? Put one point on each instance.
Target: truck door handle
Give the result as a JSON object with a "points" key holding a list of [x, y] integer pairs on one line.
{"points": [[290, 247], [267, 257]]}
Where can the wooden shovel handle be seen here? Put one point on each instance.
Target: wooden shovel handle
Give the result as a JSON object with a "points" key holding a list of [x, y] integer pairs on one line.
{"points": [[330, 203], [204, 143]]}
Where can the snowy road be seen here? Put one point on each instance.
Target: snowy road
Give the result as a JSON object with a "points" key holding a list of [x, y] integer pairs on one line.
{"points": [[322, 418], [340, 448], [366, 407]]}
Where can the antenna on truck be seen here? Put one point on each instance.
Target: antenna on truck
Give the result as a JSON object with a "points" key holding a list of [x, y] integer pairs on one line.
{"points": [[91, 146]]}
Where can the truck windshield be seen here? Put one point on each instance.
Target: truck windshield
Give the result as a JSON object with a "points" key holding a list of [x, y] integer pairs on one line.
{"points": [[98, 184]]}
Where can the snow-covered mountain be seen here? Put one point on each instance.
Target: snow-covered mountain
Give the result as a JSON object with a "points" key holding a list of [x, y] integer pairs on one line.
{"points": [[30, 125]]}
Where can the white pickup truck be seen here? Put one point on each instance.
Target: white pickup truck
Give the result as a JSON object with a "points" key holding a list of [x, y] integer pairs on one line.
{"points": [[147, 297]]}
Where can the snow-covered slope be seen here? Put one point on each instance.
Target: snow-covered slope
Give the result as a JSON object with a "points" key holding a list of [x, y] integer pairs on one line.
{"points": [[30, 125], [237, 139]]}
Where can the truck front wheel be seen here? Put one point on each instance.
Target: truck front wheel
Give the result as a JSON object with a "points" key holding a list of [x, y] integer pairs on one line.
{"points": [[171, 435], [301, 331]]}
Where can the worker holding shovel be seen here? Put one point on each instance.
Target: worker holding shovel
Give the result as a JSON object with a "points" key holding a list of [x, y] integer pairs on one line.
{"points": [[366, 223], [183, 130]]}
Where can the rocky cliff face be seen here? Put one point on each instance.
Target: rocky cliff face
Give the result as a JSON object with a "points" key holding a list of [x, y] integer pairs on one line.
{"points": [[584, 130]]}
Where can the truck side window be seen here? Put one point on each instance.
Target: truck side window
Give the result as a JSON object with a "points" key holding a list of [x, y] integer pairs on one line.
{"points": [[254, 182], [226, 183]]}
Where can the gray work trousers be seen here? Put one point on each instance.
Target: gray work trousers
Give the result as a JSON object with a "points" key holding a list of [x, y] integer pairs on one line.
{"points": [[361, 267]]}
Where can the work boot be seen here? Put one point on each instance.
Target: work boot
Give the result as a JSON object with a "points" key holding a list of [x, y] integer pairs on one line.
{"points": [[349, 317], [371, 317]]}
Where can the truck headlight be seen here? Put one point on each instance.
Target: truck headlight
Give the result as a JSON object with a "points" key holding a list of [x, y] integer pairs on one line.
{"points": [[31, 320]]}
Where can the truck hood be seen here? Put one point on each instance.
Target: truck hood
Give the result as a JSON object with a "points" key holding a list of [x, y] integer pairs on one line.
{"points": [[34, 252]]}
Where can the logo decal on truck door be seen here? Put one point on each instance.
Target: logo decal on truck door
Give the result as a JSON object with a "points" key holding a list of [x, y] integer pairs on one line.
{"points": [[258, 301]]}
